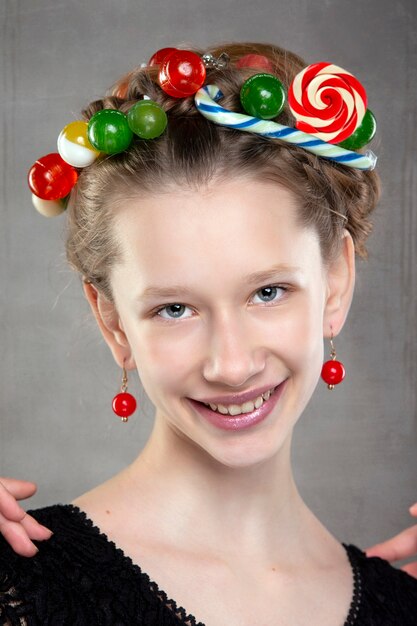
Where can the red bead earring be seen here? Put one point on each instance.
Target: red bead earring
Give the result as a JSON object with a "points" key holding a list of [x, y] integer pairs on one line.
{"points": [[124, 404], [332, 372]]}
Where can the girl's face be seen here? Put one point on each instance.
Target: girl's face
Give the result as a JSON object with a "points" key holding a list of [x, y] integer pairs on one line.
{"points": [[222, 292]]}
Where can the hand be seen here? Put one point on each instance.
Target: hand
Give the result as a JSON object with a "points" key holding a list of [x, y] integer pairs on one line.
{"points": [[16, 526], [399, 547]]}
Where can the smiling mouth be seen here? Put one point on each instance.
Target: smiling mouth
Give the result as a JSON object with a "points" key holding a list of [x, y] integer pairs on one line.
{"points": [[240, 409], [236, 419]]}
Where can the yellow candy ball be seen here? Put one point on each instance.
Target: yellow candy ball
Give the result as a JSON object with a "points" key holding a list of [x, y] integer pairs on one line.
{"points": [[74, 145]]}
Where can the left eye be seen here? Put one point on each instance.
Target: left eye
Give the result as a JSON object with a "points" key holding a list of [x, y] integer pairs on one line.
{"points": [[271, 293]]}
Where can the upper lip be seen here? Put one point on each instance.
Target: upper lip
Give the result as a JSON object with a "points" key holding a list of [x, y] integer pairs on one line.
{"points": [[238, 398]]}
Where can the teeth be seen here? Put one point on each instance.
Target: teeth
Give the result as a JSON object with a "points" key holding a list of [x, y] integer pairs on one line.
{"points": [[246, 407], [259, 402], [234, 409]]}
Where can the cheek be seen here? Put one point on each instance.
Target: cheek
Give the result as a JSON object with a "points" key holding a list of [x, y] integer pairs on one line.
{"points": [[299, 334], [163, 354]]}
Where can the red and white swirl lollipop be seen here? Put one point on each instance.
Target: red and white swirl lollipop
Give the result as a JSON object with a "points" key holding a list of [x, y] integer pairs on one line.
{"points": [[327, 101]]}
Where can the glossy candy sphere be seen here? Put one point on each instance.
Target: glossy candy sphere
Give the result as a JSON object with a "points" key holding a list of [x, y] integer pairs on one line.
{"points": [[109, 132], [74, 145], [263, 96], [48, 208], [147, 119], [158, 57], [256, 61], [51, 178], [124, 404], [363, 134], [333, 372], [181, 73]]}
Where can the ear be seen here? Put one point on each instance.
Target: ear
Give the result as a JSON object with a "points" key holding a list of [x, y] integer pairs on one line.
{"points": [[110, 325], [340, 286]]}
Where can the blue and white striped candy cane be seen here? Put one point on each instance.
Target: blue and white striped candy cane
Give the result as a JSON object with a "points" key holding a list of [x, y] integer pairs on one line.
{"points": [[205, 101]]}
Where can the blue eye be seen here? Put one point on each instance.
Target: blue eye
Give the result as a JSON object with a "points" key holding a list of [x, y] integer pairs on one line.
{"points": [[270, 293], [177, 311]]}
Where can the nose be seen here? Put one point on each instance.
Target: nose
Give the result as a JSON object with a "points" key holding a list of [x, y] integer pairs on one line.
{"points": [[235, 354]]}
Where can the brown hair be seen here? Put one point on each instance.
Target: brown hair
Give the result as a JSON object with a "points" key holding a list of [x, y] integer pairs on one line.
{"points": [[194, 152]]}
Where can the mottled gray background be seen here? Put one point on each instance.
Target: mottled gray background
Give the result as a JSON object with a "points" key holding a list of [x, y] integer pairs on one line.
{"points": [[355, 449]]}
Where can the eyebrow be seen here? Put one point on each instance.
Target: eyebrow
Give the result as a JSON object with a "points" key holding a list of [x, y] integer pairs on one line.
{"points": [[250, 279]]}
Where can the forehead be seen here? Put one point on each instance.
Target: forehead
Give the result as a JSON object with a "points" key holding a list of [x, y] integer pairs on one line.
{"points": [[241, 226]]}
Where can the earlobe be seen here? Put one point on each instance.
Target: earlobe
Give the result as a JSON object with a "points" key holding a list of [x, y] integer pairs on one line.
{"points": [[340, 286], [110, 325]]}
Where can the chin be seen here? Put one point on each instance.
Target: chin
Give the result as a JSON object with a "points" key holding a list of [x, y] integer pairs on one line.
{"points": [[244, 455]]}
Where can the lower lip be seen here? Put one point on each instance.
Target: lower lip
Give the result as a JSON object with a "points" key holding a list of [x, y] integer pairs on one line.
{"points": [[244, 420]]}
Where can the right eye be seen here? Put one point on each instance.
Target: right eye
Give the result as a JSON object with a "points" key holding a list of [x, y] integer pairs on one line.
{"points": [[173, 311]]}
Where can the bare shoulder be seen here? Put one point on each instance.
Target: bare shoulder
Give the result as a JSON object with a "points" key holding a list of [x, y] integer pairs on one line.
{"points": [[182, 573], [122, 512]]}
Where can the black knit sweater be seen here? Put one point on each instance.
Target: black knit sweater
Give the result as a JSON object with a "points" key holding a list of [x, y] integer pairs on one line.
{"points": [[80, 578]]}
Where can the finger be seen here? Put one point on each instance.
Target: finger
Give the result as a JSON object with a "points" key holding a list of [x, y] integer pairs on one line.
{"points": [[399, 547], [19, 489], [413, 509], [8, 505], [411, 568], [34, 530], [30, 526], [16, 536]]}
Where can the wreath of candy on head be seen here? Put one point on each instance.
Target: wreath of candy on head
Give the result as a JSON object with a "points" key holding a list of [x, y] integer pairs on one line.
{"points": [[328, 103]]}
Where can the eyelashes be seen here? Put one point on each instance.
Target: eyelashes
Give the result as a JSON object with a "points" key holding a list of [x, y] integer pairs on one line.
{"points": [[177, 308]]}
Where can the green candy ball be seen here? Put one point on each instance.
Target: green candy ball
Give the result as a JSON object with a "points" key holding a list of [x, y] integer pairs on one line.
{"points": [[263, 96], [362, 135], [147, 119], [109, 132]]}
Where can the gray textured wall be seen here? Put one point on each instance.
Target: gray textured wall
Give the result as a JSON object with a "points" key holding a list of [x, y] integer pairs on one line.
{"points": [[355, 449]]}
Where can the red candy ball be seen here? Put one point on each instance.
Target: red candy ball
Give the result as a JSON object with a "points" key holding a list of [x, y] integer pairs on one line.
{"points": [[256, 61], [51, 178], [182, 73], [159, 56], [333, 372], [124, 404]]}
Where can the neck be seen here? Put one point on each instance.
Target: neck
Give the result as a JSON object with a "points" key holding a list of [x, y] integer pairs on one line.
{"points": [[253, 511]]}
